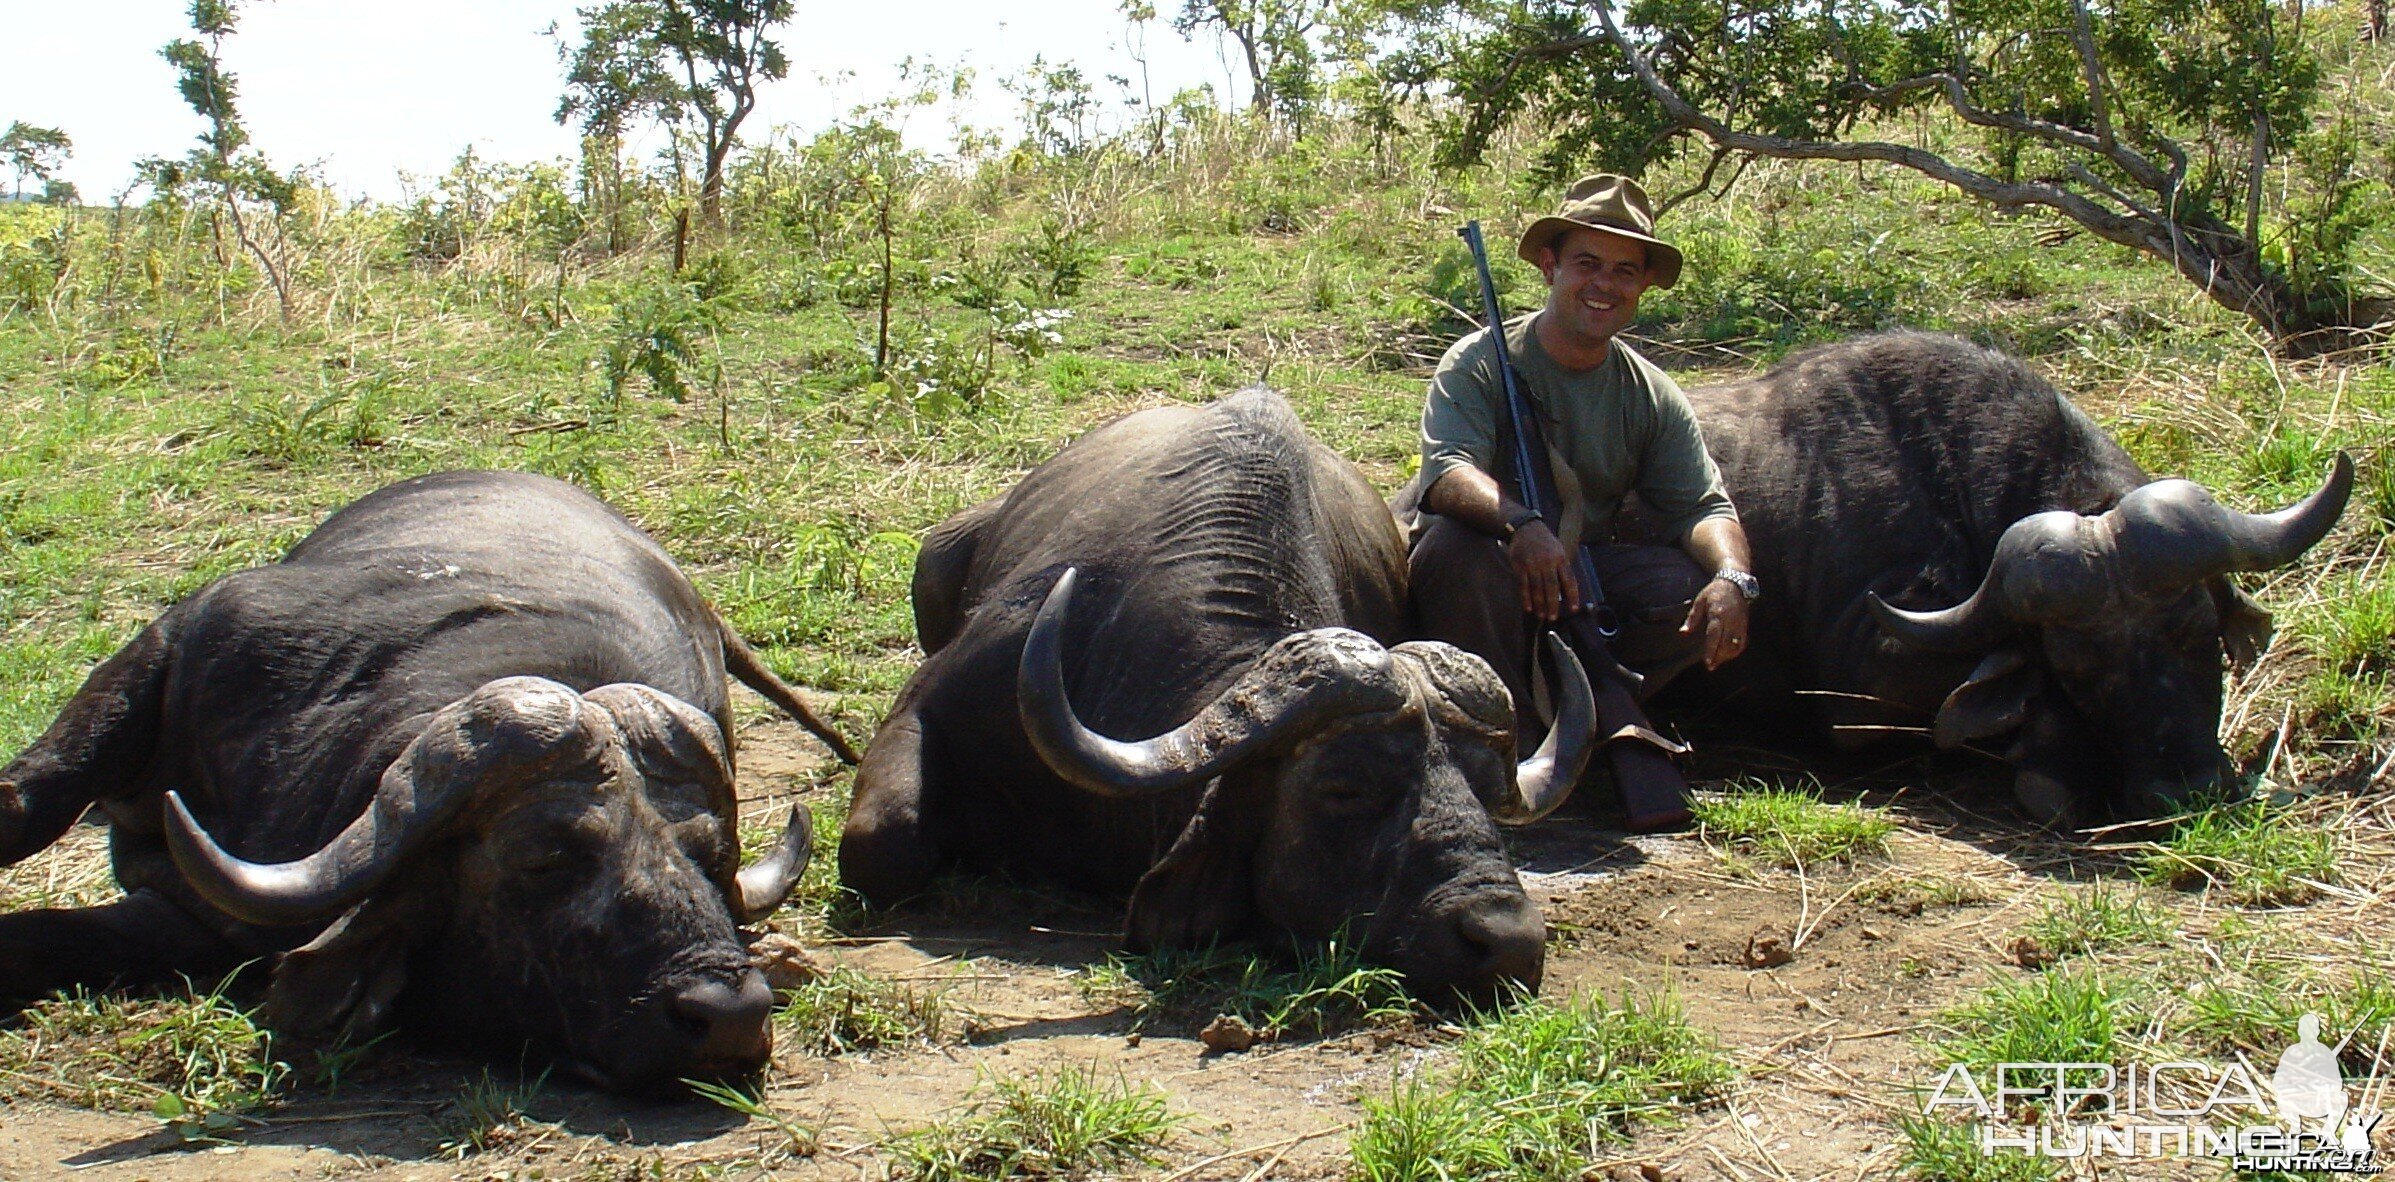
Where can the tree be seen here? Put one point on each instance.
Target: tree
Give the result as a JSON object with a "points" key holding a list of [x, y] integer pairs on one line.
{"points": [[224, 166], [1276, 41], [35, 152], [693, 65], [2152, 123]]}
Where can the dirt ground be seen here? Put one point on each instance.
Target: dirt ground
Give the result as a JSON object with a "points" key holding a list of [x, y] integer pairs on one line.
{"points": [[1827, 1044]]}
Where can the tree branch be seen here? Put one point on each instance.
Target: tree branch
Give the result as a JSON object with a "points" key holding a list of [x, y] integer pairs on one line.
{"points": [[2231, 286], [2083, 35]]}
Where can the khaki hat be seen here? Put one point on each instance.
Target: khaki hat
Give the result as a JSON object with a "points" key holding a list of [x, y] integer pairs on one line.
{"points": [[1615, 205]]}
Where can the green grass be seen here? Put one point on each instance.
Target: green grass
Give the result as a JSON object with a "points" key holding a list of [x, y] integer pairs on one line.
{"points": [[1537, 1087], [845, 1011], [799, 1140], [1791, 826], [182, 1057], [2252, 853], [2350, 633], [1314, 990], [1936, 1150], [2254, 1005], [2097, 919], [488, 1114], [1069, 1123], [2068, 1015]]}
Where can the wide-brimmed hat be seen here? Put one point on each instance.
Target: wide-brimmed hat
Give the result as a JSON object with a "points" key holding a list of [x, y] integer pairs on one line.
{"points": [[1615, 205]]}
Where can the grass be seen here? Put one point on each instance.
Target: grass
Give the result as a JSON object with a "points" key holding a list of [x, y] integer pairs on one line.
{"points": [[1068, 1123], [845, 1011], [2097, 919], [1314, 991], [1537, 1087], [2068, 1015], [1792, 827], [182, 1057], [2253, 1006], [2252, 853], [490, 1113], [1936, 1150], [799, 1140], [2351, 636]]}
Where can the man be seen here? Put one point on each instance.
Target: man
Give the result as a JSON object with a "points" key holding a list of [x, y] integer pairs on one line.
{"points": [[1615, 425]]}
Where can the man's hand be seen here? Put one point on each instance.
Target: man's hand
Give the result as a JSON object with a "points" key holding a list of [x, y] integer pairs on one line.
{"points": [[1543, 570], [1718, 614]]}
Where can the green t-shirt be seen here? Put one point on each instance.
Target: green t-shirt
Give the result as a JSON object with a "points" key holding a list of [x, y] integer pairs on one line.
{"points": [[1621, 427]]}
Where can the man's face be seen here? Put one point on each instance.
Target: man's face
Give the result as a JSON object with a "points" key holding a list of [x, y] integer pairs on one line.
{"points": [[1594, 280]]}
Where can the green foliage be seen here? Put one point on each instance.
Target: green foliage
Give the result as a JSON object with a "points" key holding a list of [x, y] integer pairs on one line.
{"points": [[1276, 40], [34, 152], [1316, 990], [2104, 116], [1937, 1150], [529, 206], [1422, 1132], [194, 1060], [1069, 1123], [2254, 852], [1792, 826], [1537, 1086], [2100, 918], [2064, 1016], [845, 1011], [692, 65], [2254, 1005], [661, 333], [489, 1114], [801, 1140]]}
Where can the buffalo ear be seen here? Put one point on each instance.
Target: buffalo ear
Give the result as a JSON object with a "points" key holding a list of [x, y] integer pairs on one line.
{"points": [[1199, 893], [2245, 628], [1994, 700], [340, 986]]}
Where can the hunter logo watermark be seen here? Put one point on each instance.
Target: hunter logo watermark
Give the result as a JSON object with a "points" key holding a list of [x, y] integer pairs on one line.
{"points": [[2304, 1119]]}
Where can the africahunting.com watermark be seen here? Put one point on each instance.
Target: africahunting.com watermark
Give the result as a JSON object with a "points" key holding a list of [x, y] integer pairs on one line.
{"points": [[2301, 1117]]}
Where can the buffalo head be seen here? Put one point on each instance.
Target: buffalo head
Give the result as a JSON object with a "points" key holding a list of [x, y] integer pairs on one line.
{"points": [[536, 865], [1352, 790], [2102, 639]]}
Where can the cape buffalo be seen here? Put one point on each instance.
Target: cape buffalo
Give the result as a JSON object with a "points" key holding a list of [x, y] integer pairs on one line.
{"points": [[464, 757], [1218, 587], [1947, 544]]}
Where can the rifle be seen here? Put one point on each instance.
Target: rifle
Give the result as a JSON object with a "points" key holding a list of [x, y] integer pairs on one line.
{"points": [[1653, 791]]}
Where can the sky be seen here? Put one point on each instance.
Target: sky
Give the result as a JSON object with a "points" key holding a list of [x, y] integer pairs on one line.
{"points": [[370, 90]]}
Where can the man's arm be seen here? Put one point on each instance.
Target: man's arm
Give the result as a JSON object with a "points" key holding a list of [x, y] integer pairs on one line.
{"points": [[1719, 612], [1542, 567]]}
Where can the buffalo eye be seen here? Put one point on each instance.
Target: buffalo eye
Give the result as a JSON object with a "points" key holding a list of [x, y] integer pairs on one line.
{"points": [[701, 839], [552, 852]]}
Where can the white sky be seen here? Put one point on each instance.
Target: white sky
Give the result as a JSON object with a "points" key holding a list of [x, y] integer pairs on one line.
{"points": [[369, 89]]}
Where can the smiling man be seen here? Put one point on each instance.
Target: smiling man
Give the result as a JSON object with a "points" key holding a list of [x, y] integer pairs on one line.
{"points": [[1483, 563]]}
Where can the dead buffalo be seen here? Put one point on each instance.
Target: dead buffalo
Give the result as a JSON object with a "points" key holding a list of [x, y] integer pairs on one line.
{"points": [[463, 758], [1216, 589], [1948, 546]]}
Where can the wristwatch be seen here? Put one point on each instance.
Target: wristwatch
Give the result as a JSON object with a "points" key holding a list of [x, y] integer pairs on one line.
{"points": [[1749, 588], [1513, 525]]}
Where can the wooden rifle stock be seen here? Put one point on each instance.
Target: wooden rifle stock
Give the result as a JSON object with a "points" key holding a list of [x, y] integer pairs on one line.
{"points": [[1654, 794]]}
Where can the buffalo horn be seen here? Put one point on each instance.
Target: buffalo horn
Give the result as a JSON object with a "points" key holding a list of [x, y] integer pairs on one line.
{"points": [[2172, 534], [765, 883], [1969, 626], [1304, 680], [504, 732], [1545, 780]]}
